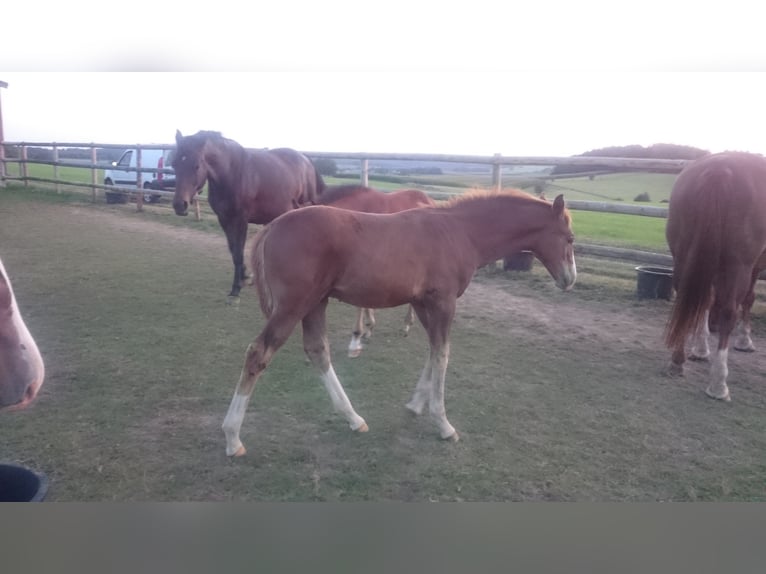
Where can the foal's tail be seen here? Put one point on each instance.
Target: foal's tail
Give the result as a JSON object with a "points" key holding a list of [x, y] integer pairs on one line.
{"points": [[259, 273], [701, 250]]}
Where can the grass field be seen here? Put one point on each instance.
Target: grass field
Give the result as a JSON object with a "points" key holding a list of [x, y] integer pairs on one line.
{"points": [[557, 396]]}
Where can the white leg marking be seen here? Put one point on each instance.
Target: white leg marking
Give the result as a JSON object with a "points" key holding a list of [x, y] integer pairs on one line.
{"points": [[355, 346], [742, 340], [719, 370], [700, 348], [340, 401], [436, 404], [233, 422], [422, 389]]}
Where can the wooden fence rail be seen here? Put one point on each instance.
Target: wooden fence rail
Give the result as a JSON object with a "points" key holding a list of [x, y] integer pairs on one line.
{"points": [[494, 162]]}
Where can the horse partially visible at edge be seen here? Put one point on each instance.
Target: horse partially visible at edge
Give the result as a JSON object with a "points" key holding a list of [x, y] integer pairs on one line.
{"points": [[244, 186], [369, 200], [22, 370], [424, 257], [716, 231]]}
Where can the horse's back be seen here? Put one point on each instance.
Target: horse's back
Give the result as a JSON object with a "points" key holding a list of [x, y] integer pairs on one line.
{"points": [[365, 259], [720, 197]]}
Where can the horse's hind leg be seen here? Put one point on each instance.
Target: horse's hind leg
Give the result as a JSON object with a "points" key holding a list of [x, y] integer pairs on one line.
{"points": [[369, 323], [409, 319], [700, 350], [742, 339], [437, 320], [258, 356], [318, 351], [355, 346]]}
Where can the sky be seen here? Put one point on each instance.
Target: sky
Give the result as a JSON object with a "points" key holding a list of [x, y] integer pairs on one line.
{"points": [[478, 78]]}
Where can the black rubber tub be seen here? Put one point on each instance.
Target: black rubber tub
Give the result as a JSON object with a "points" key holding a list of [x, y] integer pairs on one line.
{"points": [[654, 282], [21, 484]]}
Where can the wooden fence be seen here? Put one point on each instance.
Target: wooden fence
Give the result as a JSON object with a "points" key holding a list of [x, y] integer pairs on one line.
{"points": [[494, 164]]}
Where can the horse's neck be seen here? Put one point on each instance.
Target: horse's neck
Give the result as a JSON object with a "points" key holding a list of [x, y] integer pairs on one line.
{"points": [[223, 167], [496, 230]]}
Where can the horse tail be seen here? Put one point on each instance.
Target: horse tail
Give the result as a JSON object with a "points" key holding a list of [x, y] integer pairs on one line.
{"points": [[259, 272], [701, 250]]}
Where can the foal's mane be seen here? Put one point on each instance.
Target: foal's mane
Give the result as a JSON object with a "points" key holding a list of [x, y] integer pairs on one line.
{"points": [[335, 193], [483, 195]]}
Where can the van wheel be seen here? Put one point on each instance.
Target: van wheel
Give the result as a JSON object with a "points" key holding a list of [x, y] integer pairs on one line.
{"points": [[150, 197], [112, 196]]}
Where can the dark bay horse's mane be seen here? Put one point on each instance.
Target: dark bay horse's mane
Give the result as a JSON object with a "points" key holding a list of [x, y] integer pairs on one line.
{"points": [[335, 193], [202, 136]]}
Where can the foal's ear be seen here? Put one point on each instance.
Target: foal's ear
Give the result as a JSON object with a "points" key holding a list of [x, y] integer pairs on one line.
{"points": [[558, 205], [179, 137]]}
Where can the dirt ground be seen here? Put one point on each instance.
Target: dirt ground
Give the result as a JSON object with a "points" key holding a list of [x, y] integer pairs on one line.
{"points": [[607, 324], [556, 396]]}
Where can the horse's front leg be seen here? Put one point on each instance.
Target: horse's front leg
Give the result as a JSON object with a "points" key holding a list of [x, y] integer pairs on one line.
{"points": [[236, 235], [317, 349]]}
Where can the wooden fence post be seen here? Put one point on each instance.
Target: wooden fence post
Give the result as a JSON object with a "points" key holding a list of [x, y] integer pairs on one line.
{"points": [[2, 141], [56, 167], [93, 171], [497, 182], [23, 165], [139, 175], [365, 172]]}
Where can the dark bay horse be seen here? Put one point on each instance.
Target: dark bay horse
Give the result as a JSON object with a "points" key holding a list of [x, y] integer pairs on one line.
{"points": [[425, 257], [716, 231], [21, 366], [244, 186], [369, 200]]}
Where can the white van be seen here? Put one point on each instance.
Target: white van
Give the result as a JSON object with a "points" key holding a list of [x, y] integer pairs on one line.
{"points": [[150, 158]]}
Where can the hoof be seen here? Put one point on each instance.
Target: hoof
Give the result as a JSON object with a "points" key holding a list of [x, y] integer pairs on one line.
{"points": [[354, 353], [674, 370], [699, 358], [726, 397], [239, 452], [362, 428], [233, 300], [416, 410], [745, 349], [454, 437]]}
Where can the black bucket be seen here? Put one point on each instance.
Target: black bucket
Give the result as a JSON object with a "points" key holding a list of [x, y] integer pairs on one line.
{"points": [[20, 484], [654, 282], [521, 261]]}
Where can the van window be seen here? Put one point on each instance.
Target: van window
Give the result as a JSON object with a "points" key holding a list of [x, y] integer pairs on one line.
{"points": [[125, 159]]}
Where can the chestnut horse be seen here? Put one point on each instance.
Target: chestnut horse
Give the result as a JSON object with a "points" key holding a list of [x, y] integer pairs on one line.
{"points": [[21, 367], [716, 231], [425, 257], [244, 186], [369, 200]]}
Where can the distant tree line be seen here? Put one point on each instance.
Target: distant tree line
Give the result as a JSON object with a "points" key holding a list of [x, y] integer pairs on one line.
{"points": [[655, 151]]}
